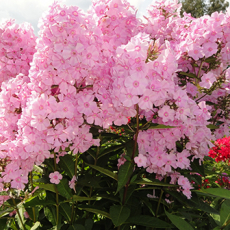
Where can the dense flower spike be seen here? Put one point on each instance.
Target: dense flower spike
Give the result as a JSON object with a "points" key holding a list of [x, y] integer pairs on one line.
{"points": [[105, 68], [17, 46]]}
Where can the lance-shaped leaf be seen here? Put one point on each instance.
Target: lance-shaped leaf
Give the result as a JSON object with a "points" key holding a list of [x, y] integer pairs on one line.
{"points": [[119, 214], [64, 189], [218, 192], [210, 126], [225, 212], [95, 210], [49, 187], [148, 221], [111, 149], [180, 223], [158, 126], [146, 181], [67, 163], [104, 171], [84, 198], [124, 174], [192, 75]]}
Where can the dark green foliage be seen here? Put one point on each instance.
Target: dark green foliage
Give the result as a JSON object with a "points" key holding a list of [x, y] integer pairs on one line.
{"points": [[198, 8]]}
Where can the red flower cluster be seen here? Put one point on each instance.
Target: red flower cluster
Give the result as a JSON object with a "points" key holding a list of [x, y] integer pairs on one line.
{"points": [[223, 182], [221, 150]]}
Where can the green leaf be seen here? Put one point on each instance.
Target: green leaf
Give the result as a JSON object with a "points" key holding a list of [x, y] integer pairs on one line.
{"points": [[94, 210], [210, 126], [66, 162], [225, 212], [119, 214], [36, 225], [65, 209], [210, 59], [124, 174], [188, 74], [76, 227], [89, 224], [146, 181], [49, 187], [64, 189], [91, 153], [21, 220], [90, 181], [6, 211], [33, 213], [109, 197], [83, 198], [129, 147], [148, 221], [179, 222], [111, 149], [195, 202], [50, 214], [3, 223], [217, 192], [196, 167], [35, 201], [104, 171], [160, 126]]}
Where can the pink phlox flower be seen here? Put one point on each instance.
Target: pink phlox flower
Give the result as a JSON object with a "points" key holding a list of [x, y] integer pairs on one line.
{"points": [[86, 104], [65, 109], [204, 110], [137, 85], [56, 136], [19, 180], [72, 183], [141, 160], [170, 161], [195, 51], [147, 100], [207, 80], [182, 159], [39, 122], [166, 113], [209, 49], [55, 177]]}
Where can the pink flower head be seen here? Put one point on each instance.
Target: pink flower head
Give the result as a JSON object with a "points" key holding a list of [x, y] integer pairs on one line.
{"points": [[207, 80], [141, 160], [55, 177], [166, 113], [72, 183]]}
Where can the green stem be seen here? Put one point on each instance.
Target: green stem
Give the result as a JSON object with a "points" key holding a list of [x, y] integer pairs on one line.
{"points": [[133, 154], [20, 218], [75, 167], [75, 173], [198, 75], [159, 201], [57, 200], [32, 187], [57, 206]]}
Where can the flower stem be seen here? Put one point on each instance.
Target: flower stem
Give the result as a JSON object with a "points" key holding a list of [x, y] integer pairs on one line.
{"points": [[20, 218], [133, 154]]}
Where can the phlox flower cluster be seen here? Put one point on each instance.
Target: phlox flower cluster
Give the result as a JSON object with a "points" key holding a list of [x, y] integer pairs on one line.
{"points": [[103, 67], [17, 46], [221, 150]]}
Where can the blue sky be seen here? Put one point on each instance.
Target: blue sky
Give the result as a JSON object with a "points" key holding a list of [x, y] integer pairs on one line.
{"points": [[31, 10]]}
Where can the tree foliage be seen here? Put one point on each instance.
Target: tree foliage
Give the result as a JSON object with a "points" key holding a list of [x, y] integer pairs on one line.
{"points": [[198, 8]]}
